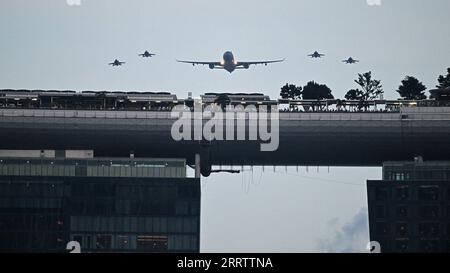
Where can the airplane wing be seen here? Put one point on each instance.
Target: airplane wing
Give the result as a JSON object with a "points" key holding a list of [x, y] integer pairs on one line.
{"points": [[311, 55], [257, 63], [202, 63]]}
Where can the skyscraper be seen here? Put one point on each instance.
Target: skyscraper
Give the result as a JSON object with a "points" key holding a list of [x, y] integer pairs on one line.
{"points": [[104, 204], [409, 210]]}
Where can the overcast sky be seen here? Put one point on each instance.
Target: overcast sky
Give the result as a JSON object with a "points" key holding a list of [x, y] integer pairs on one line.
{"points": [[48, 44]]}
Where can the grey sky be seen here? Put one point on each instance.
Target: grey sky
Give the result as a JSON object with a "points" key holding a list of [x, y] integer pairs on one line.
{"points": [[46, 44]]}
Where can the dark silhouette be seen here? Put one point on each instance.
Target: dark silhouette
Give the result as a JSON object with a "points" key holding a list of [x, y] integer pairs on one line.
{"points": [[354, 94], [147, 54], [316, 54], [117, 63], [372, 89], [412, 89], [444, 81], [350, 61], [315, 91], [291, 91], [223, 100]]}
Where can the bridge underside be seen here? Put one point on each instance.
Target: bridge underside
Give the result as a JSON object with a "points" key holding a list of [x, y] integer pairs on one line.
{"points": [[349, 139]]}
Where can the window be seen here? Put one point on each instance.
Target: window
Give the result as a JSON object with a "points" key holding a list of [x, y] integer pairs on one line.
{"points": [[402, 229], [429, 229], [103, 242], [381, 194], [429, 212], [123, 242], [402, 245], [152, 243], [402, 212], [429, 193], [399, 176], [402, 193], [380, 212], [429, 246], [382, 228]]}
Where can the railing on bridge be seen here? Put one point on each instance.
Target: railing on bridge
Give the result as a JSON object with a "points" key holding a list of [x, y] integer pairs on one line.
{"points": [[164, 102]]}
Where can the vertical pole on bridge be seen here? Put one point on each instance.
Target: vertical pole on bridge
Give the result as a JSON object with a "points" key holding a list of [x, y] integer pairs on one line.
{"points": [[197, 166]]}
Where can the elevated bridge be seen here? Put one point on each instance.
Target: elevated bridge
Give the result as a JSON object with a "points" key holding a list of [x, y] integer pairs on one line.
{"points": [[314, 139]]}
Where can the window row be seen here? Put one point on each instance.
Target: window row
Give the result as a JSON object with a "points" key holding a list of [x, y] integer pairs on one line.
{"points": [[33, 241], [134, 207], [135, 224], [32, 222], [132, 242], [405, 229], [424, 246], [406, 193], [33, 189], [406, 212]]}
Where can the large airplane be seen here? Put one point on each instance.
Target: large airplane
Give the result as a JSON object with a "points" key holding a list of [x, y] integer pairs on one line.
{"points": [[147, 54], [229, 63], [116, 63], [350, 61], [316, 55]]}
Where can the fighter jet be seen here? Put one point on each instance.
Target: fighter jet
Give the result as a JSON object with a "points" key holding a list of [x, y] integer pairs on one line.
{"points": [[116, 63], [147, 54], [350, 61], [316, 55], [229, 63]]}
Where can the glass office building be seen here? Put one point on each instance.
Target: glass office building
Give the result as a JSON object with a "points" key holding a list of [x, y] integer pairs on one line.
{"points": [[107, 205], [409, 210]]}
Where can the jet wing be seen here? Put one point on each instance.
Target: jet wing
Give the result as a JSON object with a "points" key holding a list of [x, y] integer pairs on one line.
{"points": [[200, 63], [257, 63], [212, 65]]}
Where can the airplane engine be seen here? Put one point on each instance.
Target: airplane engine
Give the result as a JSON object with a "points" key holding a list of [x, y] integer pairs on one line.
{"points": [[246, 66], [211, 66]]}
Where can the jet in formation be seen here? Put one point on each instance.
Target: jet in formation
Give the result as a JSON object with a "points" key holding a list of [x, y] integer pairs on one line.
{"points": [[350, 61], [316, 55], [229, 63], [147, 54], [117, 63]]}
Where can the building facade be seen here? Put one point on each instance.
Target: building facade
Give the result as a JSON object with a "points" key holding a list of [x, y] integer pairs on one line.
{"points": [[409, 210], [106, 205]]}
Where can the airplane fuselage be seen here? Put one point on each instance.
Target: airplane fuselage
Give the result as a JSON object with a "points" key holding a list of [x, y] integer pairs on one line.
{"points": [[229, 64]]}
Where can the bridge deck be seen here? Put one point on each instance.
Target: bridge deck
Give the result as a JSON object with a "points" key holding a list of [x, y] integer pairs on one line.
{"points": [[334, 139]]}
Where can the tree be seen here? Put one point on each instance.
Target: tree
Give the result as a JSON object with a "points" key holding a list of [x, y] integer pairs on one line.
{"points": [[354, 94], [290, 91], [412, 89], [223, 100], [315, 91], [444, 81], [371, 89]]}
